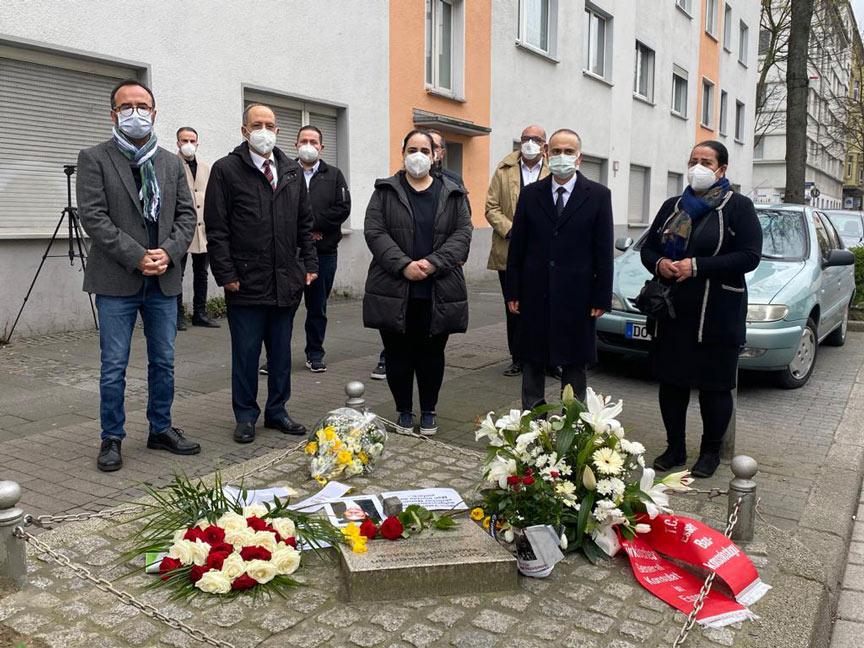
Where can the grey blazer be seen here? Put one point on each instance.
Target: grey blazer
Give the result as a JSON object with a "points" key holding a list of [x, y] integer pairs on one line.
{"points": [[110, 213]]}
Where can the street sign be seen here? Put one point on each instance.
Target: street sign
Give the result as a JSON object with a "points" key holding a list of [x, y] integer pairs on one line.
{"points": [[815, 193]]}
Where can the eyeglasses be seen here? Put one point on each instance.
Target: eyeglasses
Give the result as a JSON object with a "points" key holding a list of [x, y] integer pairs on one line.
{"points": [[535, 139], [126, 110]]}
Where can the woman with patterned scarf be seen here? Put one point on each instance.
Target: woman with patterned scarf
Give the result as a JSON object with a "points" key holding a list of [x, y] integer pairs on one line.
{"points": [[701, 244]]}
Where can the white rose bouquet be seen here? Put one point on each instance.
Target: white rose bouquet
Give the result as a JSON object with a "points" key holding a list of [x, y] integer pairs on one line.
{"points": [[345, 443]]}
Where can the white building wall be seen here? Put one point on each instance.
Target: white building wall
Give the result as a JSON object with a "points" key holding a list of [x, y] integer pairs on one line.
{"points": [[200, 54]]}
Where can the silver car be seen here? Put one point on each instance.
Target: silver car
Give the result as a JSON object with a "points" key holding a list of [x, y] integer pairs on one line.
{"points": [[849, 225]]}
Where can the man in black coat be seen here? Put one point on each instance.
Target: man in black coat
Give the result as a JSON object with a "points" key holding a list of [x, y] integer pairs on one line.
{"points": [[559, 270], [258, 217]]}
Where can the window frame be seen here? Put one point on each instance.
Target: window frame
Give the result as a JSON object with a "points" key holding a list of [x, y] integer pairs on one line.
{"points": [[591, 12], [740, 109], [688, 9], [727, 28], [522, 41], [683, 75], [712, 16], [723, 125], [743, 42], [457, 50], [711, 87], [640, 52]]}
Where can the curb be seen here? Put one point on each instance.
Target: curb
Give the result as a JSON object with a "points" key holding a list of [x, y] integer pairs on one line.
{"points": [[826, 523], [856, 325]]}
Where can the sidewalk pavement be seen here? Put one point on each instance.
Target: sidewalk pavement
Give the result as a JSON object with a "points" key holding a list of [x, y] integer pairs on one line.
{"points": [[808, 445]]}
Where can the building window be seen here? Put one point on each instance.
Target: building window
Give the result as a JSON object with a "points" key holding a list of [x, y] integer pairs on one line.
{"points": [[707, 103], [743, 42], [637, 202], [724, 112], [685, 5], [674, 184], [855, 87], [643, 83], [711, 17], [727, 28], [597, 29], [444, 38], [538, 25], [764, 41], [759, 149], [849, 167], [679, 91], [739, 121]]}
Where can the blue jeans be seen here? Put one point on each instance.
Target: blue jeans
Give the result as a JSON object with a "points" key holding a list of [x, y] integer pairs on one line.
{"points": [[250, 327], [316, 295], [117, 316]]}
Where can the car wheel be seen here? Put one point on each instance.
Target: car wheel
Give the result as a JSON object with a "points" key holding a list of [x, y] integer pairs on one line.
{"points": [[799, 370], [837, 337]]}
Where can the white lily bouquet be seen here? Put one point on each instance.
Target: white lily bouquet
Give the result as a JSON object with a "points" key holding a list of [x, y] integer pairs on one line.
{"points": [[345, 443], [575, 471]]}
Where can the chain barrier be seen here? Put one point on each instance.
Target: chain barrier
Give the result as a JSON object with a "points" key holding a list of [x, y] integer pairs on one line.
{"points": [[125, 597], [476, 455], [714, 492], [45, 521], [709, 581]]}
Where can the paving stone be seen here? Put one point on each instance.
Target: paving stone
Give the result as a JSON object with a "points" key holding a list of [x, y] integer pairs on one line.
{"points": [[517, 602], [367, 637], [100, 558], [305, 637], [542, 628], [580, 639], [723, 636], [140, 631], [339, 617], [594, 622], [277, 621], [27, 623], [8, 607], [391, 619], [421, 635], [225, 616], [447, 616], [847, 634], [243, 638], [578, 592], [618, 643], [646, 615], [618, 590], [73, 637], [118, 614], [607, 606], [494, 621], [633, 630], [466, 601], [851, 606], [474, 639], [592, 573]]}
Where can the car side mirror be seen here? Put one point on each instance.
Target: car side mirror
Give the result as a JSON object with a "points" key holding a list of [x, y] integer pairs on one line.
{"points": [[624, 243], [838, 258]]}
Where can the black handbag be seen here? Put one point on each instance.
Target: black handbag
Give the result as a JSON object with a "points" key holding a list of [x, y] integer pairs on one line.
{"points": [[655, 300]]}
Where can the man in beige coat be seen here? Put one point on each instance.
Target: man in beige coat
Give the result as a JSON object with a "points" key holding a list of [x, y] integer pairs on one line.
{"points": [[197, 174], [521, 167]]}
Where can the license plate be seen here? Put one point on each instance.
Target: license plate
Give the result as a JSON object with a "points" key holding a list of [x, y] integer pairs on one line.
{"points": [[637, 331]]}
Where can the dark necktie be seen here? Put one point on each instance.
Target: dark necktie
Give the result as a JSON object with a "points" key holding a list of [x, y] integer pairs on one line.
{"points": [[559, 204], [269, 175]]}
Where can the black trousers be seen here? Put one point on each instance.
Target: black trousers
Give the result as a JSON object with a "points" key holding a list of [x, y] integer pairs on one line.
{"points": [[250, 327], [199, 284], [715, 407], [512, 320], [415, 353], [534, 382]]}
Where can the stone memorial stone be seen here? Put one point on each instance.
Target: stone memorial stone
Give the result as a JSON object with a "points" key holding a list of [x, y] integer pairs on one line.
{"points": [[462, 560]]}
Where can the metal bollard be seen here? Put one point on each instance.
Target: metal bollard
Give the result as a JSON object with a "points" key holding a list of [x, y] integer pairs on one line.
{"points": [[744, 468], [13, 551], [355, 390]]}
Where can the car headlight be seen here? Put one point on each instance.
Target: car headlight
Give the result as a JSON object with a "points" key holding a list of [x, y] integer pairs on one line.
{"points": [[617, 303], [766, 312]]}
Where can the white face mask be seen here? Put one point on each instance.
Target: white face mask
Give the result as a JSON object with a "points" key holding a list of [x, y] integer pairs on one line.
{"points": [[135, 126], [308, 153], [700, 178], [562, 166], [531, 149], [262, 141], [418, 164], [188, 149]]}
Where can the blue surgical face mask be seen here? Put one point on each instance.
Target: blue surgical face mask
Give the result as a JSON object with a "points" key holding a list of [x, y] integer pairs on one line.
{"points": [[135, 126]]}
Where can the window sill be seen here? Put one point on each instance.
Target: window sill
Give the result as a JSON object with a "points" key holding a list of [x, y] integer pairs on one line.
{"points": [[643, 99], [742, 64], [727, 49], [739, 141], [722, 134], [597, 77], [446, 94], [536, 51], [684, 11], [706, 126], [639, 225], [713, 36], [678, 115]]}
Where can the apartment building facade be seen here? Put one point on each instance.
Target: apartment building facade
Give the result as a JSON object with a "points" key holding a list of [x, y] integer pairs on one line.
{"points": [[641, 82]]}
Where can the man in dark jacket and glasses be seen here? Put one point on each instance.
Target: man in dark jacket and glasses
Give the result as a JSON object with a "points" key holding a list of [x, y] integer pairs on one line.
{"points": [[258, 218]]}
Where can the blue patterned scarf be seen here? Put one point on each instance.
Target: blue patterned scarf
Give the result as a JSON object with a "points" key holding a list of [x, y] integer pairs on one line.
{"points": [[676, 235], [151, 195]]}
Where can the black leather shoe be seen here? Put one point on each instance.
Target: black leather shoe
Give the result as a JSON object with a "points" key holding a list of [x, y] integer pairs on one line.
{"points": [[554, 372], [706, 465], [181, 323], [110, 458], [244, 432], [515, 369], [673, 457], [173, 441], [201, 319], [286, 425]]}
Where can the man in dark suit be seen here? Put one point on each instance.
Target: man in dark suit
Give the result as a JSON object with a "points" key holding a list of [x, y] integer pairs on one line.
{"points": [[259, 236], [134, 203], [559, 270]]}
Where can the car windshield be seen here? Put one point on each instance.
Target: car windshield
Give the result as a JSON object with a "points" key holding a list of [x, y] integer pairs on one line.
{"points": [[848, 225], [784, 237]]}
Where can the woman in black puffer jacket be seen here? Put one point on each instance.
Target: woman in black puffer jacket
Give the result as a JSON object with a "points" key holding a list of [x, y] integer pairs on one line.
{"points": [[418, 229]]}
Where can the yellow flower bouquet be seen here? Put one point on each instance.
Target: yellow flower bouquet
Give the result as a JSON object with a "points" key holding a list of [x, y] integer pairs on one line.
{"points": [[345, 443]]}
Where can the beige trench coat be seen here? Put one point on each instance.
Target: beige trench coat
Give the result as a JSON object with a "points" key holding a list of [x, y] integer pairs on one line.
{"points": [[501, 202], [197, 187]]}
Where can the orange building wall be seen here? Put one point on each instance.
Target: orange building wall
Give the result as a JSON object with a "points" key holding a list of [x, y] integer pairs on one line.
{"points": [[709, 67], [408, 89]]}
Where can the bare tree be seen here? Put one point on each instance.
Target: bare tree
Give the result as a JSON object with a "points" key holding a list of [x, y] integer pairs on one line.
{"points": [[773, 52], [797, 82]]}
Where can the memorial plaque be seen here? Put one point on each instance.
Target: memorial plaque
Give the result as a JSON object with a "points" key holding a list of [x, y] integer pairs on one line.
{"points": [[463, 560]]}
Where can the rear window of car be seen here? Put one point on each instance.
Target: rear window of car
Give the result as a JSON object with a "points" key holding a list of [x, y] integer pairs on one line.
{"points": [[784, 234]]}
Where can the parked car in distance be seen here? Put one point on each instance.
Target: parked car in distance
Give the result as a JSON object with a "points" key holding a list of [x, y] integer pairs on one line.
{"points": [[849, 225], [798, 296]]}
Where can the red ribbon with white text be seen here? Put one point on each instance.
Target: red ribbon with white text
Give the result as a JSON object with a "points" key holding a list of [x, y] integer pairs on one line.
{"points": [[695, 543]]}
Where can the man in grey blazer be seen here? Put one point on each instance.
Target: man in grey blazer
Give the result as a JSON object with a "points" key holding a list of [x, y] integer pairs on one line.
{"points": [[134, 203]]}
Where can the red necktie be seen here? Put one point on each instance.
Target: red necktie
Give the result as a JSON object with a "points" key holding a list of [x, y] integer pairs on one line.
{"points": [[269, 175]]}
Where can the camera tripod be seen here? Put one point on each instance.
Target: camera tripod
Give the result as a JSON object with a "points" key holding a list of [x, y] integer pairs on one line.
{"points": [[77, 248]]}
